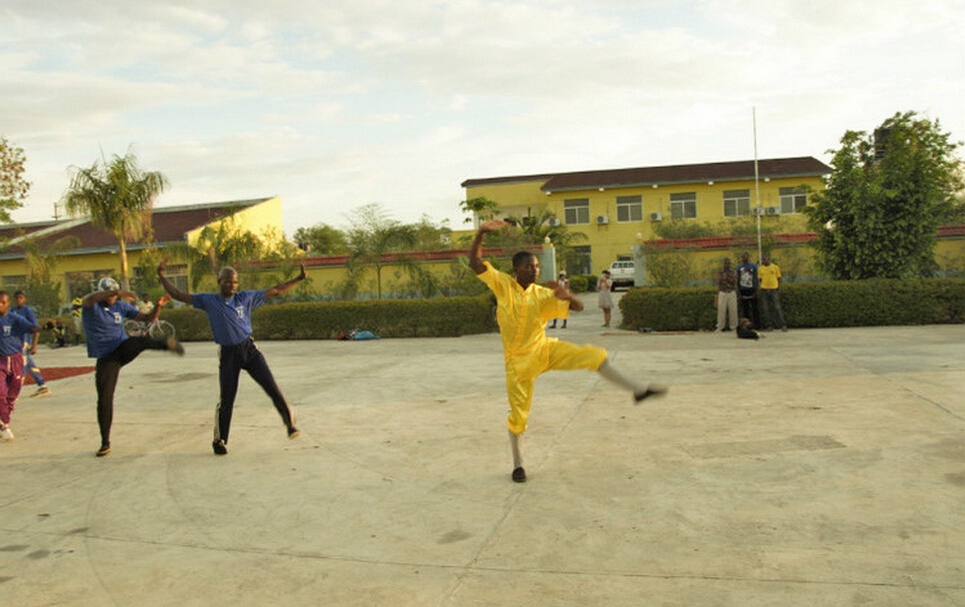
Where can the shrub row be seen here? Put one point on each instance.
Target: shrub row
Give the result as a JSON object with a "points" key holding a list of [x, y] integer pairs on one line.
{"points": [[814, 304], [440, 317]]}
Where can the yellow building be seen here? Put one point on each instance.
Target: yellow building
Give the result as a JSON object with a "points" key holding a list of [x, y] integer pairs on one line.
{"points": [[621, 208], [93, 252]]}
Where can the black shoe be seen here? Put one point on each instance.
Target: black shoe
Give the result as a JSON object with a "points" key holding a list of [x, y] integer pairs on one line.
{"points": [[104, 450], [653, 390], [175, 346], [519, 475], [219, 447], [293, 432]]}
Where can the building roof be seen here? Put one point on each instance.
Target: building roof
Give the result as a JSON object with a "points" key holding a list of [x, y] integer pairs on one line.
{"points": [[771, 168], [170, 224]]}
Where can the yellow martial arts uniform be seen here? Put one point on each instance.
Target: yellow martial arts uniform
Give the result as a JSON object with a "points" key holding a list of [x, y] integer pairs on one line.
{"points": [[522, 315]]}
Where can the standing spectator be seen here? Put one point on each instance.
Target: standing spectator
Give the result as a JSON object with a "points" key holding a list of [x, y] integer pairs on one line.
{"points": [[604, 299], [229, 313], [76, 305], [770, 275], [726, 298], [747, 287], [564, 281], [30, 345], [12, 329]]}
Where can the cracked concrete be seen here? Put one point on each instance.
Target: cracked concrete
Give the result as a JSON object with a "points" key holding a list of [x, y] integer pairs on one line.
{"points": [[816, 467]]}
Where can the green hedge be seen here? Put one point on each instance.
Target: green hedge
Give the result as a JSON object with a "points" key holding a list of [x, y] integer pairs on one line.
{"points": [[852, 303], [441, 317]]}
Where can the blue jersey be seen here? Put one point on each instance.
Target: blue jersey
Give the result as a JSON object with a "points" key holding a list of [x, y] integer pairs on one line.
{"points": [[104, 327], [12, 328], [230, 318], [29, 315]]}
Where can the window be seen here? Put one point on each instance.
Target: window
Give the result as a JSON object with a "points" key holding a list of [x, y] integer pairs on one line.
{"points": [[576, 211], [683, 205], [176, 273], [82, 283], [793, 200], [629, 208], [12, 283], [737, 203]]}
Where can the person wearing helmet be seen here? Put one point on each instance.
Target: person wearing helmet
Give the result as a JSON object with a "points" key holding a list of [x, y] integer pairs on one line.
{"points": [[103, 315], [229, 313]]}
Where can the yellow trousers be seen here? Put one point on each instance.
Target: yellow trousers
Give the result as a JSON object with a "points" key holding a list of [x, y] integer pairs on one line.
{"points": [[521, 374]]}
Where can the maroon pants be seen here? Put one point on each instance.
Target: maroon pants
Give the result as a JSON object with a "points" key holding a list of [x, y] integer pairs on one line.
{"points": [[11, 380]]}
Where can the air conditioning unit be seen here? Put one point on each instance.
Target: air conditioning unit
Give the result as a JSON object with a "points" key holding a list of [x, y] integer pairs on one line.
{"points": [[773, 210], [656, 216], [553, 221], [758, 210], [602, 219]]}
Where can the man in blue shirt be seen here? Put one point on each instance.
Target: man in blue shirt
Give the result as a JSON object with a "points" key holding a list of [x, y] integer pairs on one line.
{"points": [[30, 344], [12, 329], [229, 312], [747, 289], [103, 315]]}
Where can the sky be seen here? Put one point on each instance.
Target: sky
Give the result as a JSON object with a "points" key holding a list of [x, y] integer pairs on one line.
{"points": [[337, 105]]}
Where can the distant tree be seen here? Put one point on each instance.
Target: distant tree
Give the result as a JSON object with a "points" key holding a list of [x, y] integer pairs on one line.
{"points": [[885, 198], [321, 239], [117, 197], [538, 229], [430, 236], [218, 245], [373, 237], [480, 208], [13, 187]]}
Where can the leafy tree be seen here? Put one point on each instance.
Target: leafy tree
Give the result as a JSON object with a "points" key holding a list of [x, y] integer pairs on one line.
{"points": [[13, 187], [117, 197], [373, 237], [537, 229], [322, 239], [479, 207], [41, 260], [885, 198], [222, 244]]}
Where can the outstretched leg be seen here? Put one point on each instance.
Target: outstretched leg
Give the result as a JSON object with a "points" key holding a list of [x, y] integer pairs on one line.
{"points": [[258, 369], [640, 390]]}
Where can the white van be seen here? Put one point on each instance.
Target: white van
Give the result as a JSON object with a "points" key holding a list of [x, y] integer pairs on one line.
{"points": [[622, 273]]}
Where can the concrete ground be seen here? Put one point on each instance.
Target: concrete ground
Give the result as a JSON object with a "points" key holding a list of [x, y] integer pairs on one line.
{"points": [[816, 467]]}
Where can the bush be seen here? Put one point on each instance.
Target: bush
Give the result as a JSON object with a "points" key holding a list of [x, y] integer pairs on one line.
{"points": [[438, 317], [852, 303], [579, 284]]}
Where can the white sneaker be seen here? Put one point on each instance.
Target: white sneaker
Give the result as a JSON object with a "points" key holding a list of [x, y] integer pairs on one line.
{"points": [[6, 433], [41, 391]]}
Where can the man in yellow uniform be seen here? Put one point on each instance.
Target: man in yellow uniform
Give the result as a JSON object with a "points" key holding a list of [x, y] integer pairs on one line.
{"points": [[522, 310]]}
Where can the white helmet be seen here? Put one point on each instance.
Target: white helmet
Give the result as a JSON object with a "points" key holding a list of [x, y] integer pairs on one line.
{"points": [[107, 284]]}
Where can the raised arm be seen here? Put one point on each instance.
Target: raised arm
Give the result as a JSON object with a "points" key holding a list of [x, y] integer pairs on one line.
{"points": [[151, 316], [284, 286], [169, 286], [563, 292], [475, 251]]}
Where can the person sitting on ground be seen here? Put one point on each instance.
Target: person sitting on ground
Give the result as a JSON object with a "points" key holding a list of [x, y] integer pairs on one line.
{"points": [[745, 330]]}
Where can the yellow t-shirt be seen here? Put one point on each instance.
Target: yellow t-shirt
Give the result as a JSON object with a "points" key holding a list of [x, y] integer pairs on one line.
{"points": [[522, 315], [769, 276]]}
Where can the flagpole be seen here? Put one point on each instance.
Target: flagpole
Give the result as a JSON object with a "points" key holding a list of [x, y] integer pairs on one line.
{"points": [[757, 187]]}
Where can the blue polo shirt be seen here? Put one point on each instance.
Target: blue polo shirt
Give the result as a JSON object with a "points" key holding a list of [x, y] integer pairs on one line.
{"points": [[28, 314], [12, 328], [104, 326], [230, 318]]}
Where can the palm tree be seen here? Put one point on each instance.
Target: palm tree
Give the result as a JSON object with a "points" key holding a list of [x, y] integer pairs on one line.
{"points": [[118, 197], [373, 236]]}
